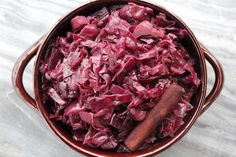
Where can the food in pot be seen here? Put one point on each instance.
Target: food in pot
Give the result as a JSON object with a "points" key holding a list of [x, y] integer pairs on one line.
{"points": [[104, 75]]}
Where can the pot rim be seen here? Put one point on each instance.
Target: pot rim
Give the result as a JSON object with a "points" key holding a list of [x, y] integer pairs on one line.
{"points": [[146, 152]]}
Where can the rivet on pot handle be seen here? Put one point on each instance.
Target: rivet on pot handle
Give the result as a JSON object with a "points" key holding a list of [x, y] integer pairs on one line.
{"points": [[18, 71], [219, 78]]}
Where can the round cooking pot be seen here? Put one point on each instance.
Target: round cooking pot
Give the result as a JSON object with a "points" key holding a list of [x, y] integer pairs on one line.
{"points": [[200, 100]]}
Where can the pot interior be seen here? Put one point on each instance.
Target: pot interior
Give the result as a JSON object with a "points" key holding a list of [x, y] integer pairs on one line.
{"points": [[60, 29]]}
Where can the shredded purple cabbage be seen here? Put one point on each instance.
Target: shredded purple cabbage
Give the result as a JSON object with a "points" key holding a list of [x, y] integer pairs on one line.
{"points": [[103, 77]]}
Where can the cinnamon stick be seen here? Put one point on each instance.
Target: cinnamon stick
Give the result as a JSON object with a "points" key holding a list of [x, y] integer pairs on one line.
{"points": [[165, 105]]}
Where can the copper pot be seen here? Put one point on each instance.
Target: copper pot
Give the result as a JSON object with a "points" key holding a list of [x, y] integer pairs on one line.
{"points": [[201, 101]]}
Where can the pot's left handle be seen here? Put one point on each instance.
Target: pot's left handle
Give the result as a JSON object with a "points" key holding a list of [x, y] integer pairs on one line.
{"points": [[18, 70]]}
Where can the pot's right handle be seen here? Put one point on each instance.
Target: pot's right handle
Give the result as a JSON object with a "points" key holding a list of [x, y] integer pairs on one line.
{"points": [[219, 78]]}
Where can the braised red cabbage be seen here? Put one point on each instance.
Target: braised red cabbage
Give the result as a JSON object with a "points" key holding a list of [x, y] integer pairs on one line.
{"points": [[103, 77]]}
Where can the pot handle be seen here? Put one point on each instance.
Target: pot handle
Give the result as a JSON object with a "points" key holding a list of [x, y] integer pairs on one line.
{"points": [[219, 78], [18, 70]]}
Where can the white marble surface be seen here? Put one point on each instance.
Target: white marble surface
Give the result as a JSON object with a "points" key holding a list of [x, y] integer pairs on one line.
{"points": [[23, 133]]}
